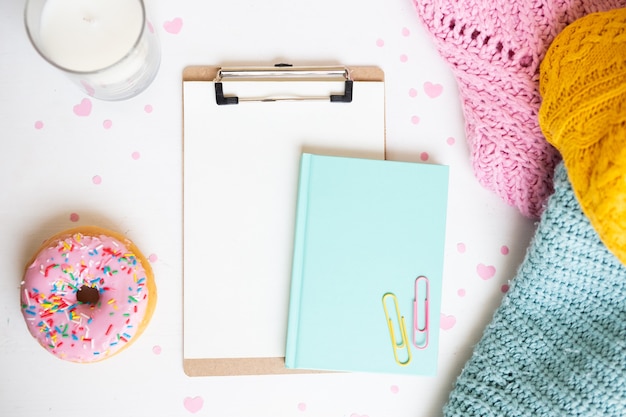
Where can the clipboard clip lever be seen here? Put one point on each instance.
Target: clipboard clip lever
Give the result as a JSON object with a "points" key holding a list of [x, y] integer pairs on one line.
{"points": [[283, 72], [402, 344]]}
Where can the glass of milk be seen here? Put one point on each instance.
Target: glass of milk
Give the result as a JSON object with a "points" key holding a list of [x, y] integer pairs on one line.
{"points": [[107, 47]]}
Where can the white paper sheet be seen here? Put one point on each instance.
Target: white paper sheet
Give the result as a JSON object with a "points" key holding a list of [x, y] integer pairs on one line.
{"points": [[241, 167]]}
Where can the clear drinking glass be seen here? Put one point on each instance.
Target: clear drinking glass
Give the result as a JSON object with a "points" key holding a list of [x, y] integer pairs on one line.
{"points": [[107, 47]]}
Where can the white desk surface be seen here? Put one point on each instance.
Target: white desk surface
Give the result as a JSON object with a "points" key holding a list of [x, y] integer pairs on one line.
{"points": [[120, 167]]}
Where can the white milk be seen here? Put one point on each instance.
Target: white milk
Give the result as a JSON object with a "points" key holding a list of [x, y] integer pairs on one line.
{"points": [[89, 35], [105, 46]]}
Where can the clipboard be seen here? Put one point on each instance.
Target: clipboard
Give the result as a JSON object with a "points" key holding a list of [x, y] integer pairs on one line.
{"points": [[244, 130]]}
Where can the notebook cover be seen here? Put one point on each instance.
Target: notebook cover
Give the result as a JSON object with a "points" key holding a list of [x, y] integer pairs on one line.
{"points": [[365, 228]]}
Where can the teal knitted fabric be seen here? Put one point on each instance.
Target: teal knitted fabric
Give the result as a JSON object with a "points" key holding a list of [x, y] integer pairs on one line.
{"points": [[557, 344]]}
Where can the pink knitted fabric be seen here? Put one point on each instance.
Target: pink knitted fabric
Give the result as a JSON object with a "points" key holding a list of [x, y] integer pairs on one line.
{"points": [[494, 48]]}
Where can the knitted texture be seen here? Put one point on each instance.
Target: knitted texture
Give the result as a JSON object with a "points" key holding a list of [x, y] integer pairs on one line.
{"points": [[494, 48], [583, 84], [557, 344]]}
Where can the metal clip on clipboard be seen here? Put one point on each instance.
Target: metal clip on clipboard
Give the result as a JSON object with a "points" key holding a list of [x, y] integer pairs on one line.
{"points": [[283, 72]]}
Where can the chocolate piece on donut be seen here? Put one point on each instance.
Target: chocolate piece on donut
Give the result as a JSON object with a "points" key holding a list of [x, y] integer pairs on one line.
{"points": [[87, 294]]}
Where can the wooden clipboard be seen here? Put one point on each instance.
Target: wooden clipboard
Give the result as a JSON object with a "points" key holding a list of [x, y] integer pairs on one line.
{"points": [[244, 130]]}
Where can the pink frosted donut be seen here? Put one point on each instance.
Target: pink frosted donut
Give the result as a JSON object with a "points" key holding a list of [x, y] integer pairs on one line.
{"points": [[87, 294]]}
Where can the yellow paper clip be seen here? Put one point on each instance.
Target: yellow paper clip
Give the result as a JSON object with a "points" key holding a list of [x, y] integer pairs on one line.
{"points": [[403, 343]]}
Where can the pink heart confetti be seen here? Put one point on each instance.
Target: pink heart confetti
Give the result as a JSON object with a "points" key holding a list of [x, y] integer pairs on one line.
{"points": [[156, 350], [97, 179], [148, 108], [302, 407], [415, 119], [380, 43], [450, 141], [461, 292], [412, 92], [173, 26], [135, 155], [395, 389], [406, 32], [404, 58], [433, 90], [38, 125], [460, 247], [447, 322], [153, 257], [193, 405], [83, 109], [486, 271], [504, 250], [107, 124]]}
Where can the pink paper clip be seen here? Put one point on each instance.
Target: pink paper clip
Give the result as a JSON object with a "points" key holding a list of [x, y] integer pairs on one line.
{"points": [[421, 321]]}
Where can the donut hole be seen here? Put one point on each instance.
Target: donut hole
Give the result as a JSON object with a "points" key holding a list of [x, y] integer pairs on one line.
{"points": [[88, 295]]}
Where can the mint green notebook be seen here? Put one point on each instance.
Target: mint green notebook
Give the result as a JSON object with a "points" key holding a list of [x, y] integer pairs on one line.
{"points": [[367, 266]]}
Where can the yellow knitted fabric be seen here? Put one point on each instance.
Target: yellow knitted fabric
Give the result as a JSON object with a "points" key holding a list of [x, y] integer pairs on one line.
{"points": [[583, 115]]}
